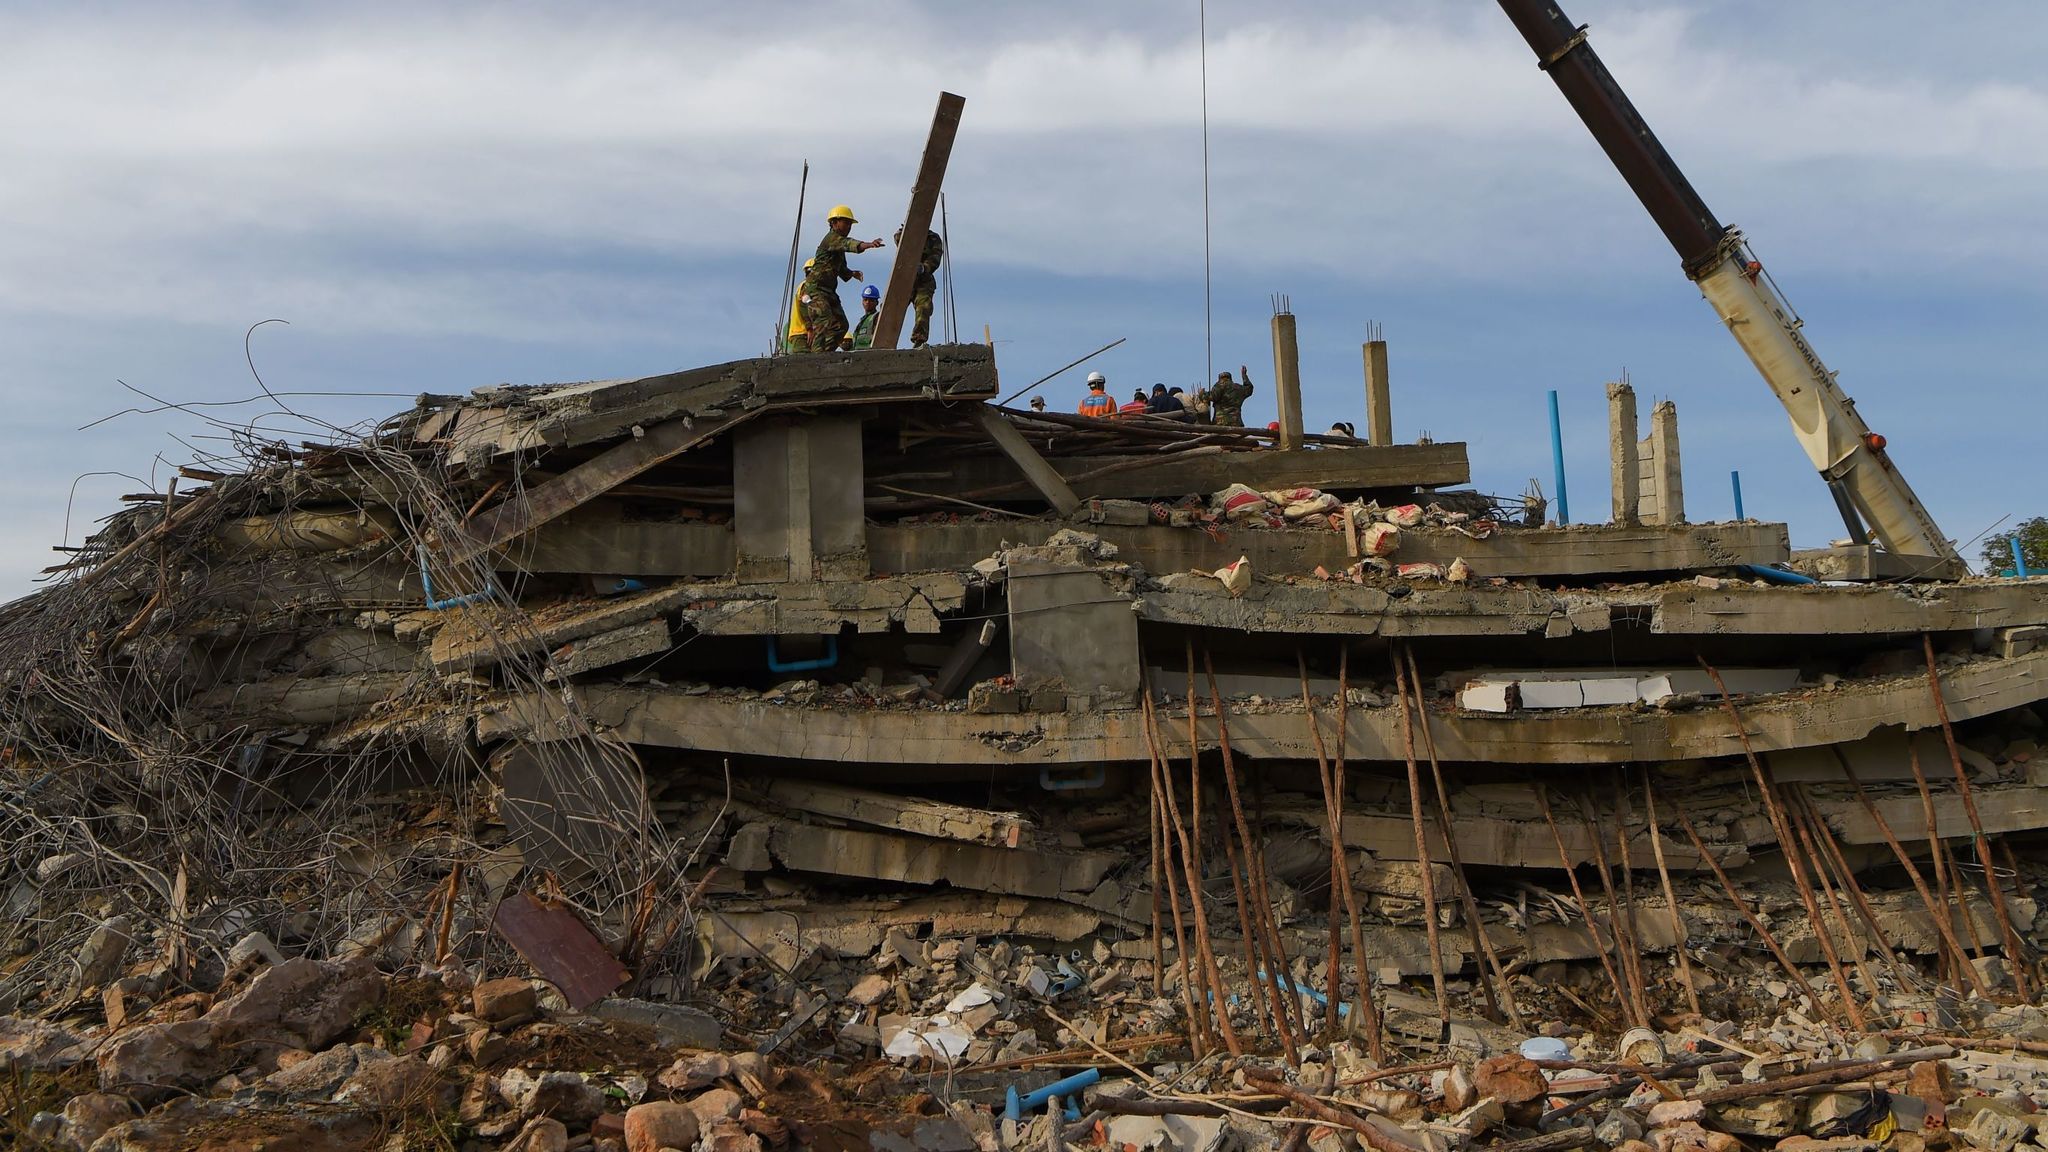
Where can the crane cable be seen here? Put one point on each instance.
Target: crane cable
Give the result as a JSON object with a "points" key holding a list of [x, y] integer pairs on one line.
{"points": [[1208, 308]]}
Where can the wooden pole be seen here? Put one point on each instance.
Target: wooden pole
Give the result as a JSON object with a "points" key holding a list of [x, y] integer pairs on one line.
{"points": [[1219, 1004], [1255, 871], [1809, 845], [1337, 869], [2015, 952], [924, 199], [1678, 930], [1789, 843], [1492, 973], [1944, 920], [1564, 861], [1832, 852], [1756, 925], [1375, 1038], [1631, 988], [1436, 948]]}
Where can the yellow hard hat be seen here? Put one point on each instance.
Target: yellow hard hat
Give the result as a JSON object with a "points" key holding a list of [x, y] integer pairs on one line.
{"points": [[841, 212], [811, 261]]}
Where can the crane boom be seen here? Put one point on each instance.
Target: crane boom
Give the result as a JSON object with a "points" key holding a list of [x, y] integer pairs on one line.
{"points": [[1867, 487]]}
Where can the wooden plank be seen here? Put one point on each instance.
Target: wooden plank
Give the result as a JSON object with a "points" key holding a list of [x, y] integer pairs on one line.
{"points": [[1034, 467], [924, 200]]}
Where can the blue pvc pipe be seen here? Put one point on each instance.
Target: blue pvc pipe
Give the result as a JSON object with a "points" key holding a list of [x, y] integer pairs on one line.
{"points": [[1735, 479], [1318, 997], [427, 588], [1776, 575], [777, 664], [1015, 1106], [2019, 558], [1564, 505]]}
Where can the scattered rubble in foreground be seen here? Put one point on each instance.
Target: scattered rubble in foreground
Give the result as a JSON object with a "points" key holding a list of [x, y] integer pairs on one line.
{"points": [[990, 1045], [807, 753]]}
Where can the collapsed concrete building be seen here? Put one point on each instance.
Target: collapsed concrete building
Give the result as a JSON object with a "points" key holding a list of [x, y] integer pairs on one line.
{"points": [[780, 659]]}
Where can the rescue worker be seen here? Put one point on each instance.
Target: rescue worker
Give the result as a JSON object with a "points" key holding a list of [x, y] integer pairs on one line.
{"points": [[798, 338], [870, 311], [1137, 405], [1227, 397], [1097, 403], [925, 286], [824, 316], [1164, 403], [1038, 403]]}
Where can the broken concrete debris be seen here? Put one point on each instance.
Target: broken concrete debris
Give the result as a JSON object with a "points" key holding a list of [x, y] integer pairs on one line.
{"points": [[804, 751]]}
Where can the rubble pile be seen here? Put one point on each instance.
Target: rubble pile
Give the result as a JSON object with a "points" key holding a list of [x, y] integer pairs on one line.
{"points": [[698, 749], [336, 1054]]}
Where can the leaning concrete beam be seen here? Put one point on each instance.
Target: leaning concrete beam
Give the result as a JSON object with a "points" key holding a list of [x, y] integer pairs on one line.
{"points": [[1012, 444]]}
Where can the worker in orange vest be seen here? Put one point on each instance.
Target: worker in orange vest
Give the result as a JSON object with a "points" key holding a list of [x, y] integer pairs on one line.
{"points": [[1097, 403]]}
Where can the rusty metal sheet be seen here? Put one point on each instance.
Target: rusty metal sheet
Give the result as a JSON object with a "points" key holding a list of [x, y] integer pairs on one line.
{"points": [[561, 949]]}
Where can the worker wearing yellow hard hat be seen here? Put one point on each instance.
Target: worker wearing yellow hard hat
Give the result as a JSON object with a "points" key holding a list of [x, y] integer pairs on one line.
{"points": [[823, 316], [798, 338]]}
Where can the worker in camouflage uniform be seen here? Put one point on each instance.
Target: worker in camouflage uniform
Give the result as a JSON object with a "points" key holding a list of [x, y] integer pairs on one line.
{"points": [[925, 286], [1227, 397], [823, 314], [863, 337]]}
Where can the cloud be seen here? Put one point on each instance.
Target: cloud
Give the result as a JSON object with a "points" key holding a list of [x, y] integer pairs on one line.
{"points": [[527, 191]]}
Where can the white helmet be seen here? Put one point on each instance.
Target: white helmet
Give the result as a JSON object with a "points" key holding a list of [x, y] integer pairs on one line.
{"points": [[1095, 378]]}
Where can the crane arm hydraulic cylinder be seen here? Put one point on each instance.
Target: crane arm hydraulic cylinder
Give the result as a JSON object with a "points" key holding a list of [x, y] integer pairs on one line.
{"points": [[1841, 447]]}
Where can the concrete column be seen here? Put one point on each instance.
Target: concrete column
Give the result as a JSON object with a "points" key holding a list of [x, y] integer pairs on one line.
{"points": [[797, 501], [1664, 458], [1621, 449], [1379, 396], [1287, 379]]}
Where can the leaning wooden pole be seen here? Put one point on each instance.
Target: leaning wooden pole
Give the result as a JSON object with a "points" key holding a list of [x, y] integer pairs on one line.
{"points": [[1678, 930], [2015, 953], [1375, 1037], [1191, 979], [1429, 910], [1564, 861], [1788, 842], [917, 223], [1810, 845], [1219, 1005], [1335, 948], [1632, 993], [1939, 913], [1850, 888], [1255, 872], [1492, 973], [1742, 906]]}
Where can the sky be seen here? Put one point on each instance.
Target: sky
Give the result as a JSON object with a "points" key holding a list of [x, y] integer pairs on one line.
{"points": [[436, 198]]}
